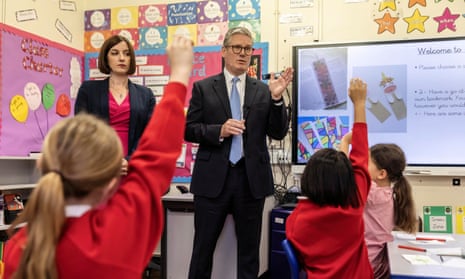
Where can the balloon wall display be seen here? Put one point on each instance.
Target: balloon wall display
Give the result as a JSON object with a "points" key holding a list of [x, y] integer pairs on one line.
{"points": [[48, 96], [18, 108], [32, 95], [35, 87], [63, 106]]}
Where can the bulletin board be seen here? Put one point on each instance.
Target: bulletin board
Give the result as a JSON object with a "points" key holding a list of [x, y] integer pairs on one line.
{"points": [[152, 70], [39, 80], [153, 26]]}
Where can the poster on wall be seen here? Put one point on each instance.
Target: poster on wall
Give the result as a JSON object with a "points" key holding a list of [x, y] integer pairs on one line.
{"points": [[437, 219], [39, 80]]}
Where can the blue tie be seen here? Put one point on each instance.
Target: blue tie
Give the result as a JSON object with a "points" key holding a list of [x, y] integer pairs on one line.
{"points": [[236, 147]]}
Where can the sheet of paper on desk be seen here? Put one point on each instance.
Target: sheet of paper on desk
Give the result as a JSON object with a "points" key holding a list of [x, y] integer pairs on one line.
{"points": [[427, 242], [420, 259], [455, 262], [407, 236], [447, 251]]}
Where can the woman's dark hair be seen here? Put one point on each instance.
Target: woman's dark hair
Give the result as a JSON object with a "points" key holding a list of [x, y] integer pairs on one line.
{"points": [[103, 55], [391, 158], [328, 179]]}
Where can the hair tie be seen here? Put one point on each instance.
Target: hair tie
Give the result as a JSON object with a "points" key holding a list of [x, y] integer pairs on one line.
{"points": [[59, 173]]}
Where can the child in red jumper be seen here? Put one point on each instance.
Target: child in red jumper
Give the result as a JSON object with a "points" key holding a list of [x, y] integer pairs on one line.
{"points": [[327, 228], [79, 222]]}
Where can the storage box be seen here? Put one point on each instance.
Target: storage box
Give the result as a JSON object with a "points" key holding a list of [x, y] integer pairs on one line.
{"points": [[13, 207]]}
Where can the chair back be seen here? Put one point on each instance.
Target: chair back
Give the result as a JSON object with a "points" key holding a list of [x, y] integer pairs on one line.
{"points": [[291, 258]]}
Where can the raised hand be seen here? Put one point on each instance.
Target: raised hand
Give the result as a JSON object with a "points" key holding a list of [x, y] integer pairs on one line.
{"points": [[278, 85]]}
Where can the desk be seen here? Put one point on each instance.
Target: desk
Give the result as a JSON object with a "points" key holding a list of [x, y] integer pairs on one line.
{"points": [[178, 235], [401, 268]]}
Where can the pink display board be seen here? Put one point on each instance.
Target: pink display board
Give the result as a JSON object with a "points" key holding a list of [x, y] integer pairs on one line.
{"points": [[39, 80]]}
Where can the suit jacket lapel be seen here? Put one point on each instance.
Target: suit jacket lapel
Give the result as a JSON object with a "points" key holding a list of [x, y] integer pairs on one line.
{"points": [[104, 97], [251, 90], [133, 97], [219, 87], [134, 101]]}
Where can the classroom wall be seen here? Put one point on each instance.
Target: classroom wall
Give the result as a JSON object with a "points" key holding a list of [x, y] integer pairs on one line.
{"points": [[313, 21], [282, 27], [350, 21], [58, 21]]}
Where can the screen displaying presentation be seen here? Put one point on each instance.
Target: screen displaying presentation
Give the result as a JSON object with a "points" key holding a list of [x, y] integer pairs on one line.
{"points": [[415, 98]]}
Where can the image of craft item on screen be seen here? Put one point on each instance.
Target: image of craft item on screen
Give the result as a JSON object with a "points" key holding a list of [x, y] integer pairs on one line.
{"points": [[254, 69], [323, 80], [386, 94], [315, 133]]}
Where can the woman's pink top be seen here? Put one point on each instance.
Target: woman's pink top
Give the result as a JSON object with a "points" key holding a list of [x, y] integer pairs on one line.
{"points": [[119, 119]]}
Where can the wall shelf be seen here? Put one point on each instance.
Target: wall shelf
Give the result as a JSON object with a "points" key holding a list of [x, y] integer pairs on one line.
{"points": [[16, 187], [18, 175]]}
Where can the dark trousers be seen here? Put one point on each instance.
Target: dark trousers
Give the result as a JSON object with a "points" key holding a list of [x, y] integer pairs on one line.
{"points": [[209, 218]]}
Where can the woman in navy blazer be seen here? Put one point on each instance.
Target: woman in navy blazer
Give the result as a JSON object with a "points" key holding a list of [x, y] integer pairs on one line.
{"points": [[126, 106]]}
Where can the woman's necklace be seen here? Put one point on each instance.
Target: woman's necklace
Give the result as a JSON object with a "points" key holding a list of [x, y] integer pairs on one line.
{"points": [[119, 90]]}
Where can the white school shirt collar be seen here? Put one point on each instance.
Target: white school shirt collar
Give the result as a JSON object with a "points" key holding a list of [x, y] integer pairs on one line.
{"points": [[76, 210]]}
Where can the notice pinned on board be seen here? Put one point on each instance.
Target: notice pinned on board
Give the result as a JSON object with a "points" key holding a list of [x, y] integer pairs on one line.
{"points": [[291, 18], [301, 31], [60, 26], [26, 15], [438, 219], [460, 219], [301, 4]]}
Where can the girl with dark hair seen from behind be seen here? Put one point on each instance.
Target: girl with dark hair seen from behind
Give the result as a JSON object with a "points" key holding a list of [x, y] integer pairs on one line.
{"points": [[79, 223], [326, 227], [390, 204]]}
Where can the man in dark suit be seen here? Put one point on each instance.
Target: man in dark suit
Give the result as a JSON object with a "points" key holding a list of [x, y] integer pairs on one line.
{"points": [[222, 185]]}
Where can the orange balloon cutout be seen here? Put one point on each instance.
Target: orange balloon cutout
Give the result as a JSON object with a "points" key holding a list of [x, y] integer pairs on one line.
{"points": [[63, 106]]}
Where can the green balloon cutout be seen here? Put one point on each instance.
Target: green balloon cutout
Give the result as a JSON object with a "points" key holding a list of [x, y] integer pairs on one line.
{"points": [[48, 95]]}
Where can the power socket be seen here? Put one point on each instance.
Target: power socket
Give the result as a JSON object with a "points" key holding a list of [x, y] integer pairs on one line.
{"points": [[279, 156], [284, 158]]}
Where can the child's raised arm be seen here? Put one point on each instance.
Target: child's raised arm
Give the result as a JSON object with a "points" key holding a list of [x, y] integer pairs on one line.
{"points": [[358, 94], [345, 142], [359, 152]]}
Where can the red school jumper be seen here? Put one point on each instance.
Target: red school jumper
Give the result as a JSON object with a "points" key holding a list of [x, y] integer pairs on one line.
{"points": [[330, 240], [118, 239]]}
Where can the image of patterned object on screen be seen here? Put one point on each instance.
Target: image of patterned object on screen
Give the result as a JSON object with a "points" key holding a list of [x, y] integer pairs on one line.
{"points": [[378, 109], [302, 152], [331, 126], [320, 126], [393, 97], [324, 80], [311, 135], [319, 132], [343, 124]]}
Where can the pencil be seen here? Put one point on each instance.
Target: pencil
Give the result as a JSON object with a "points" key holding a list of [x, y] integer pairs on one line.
{"points": [[431, 238], [412, 248]]}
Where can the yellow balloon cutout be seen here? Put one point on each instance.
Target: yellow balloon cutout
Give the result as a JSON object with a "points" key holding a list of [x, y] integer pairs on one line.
{"points": [[18, 108]]}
